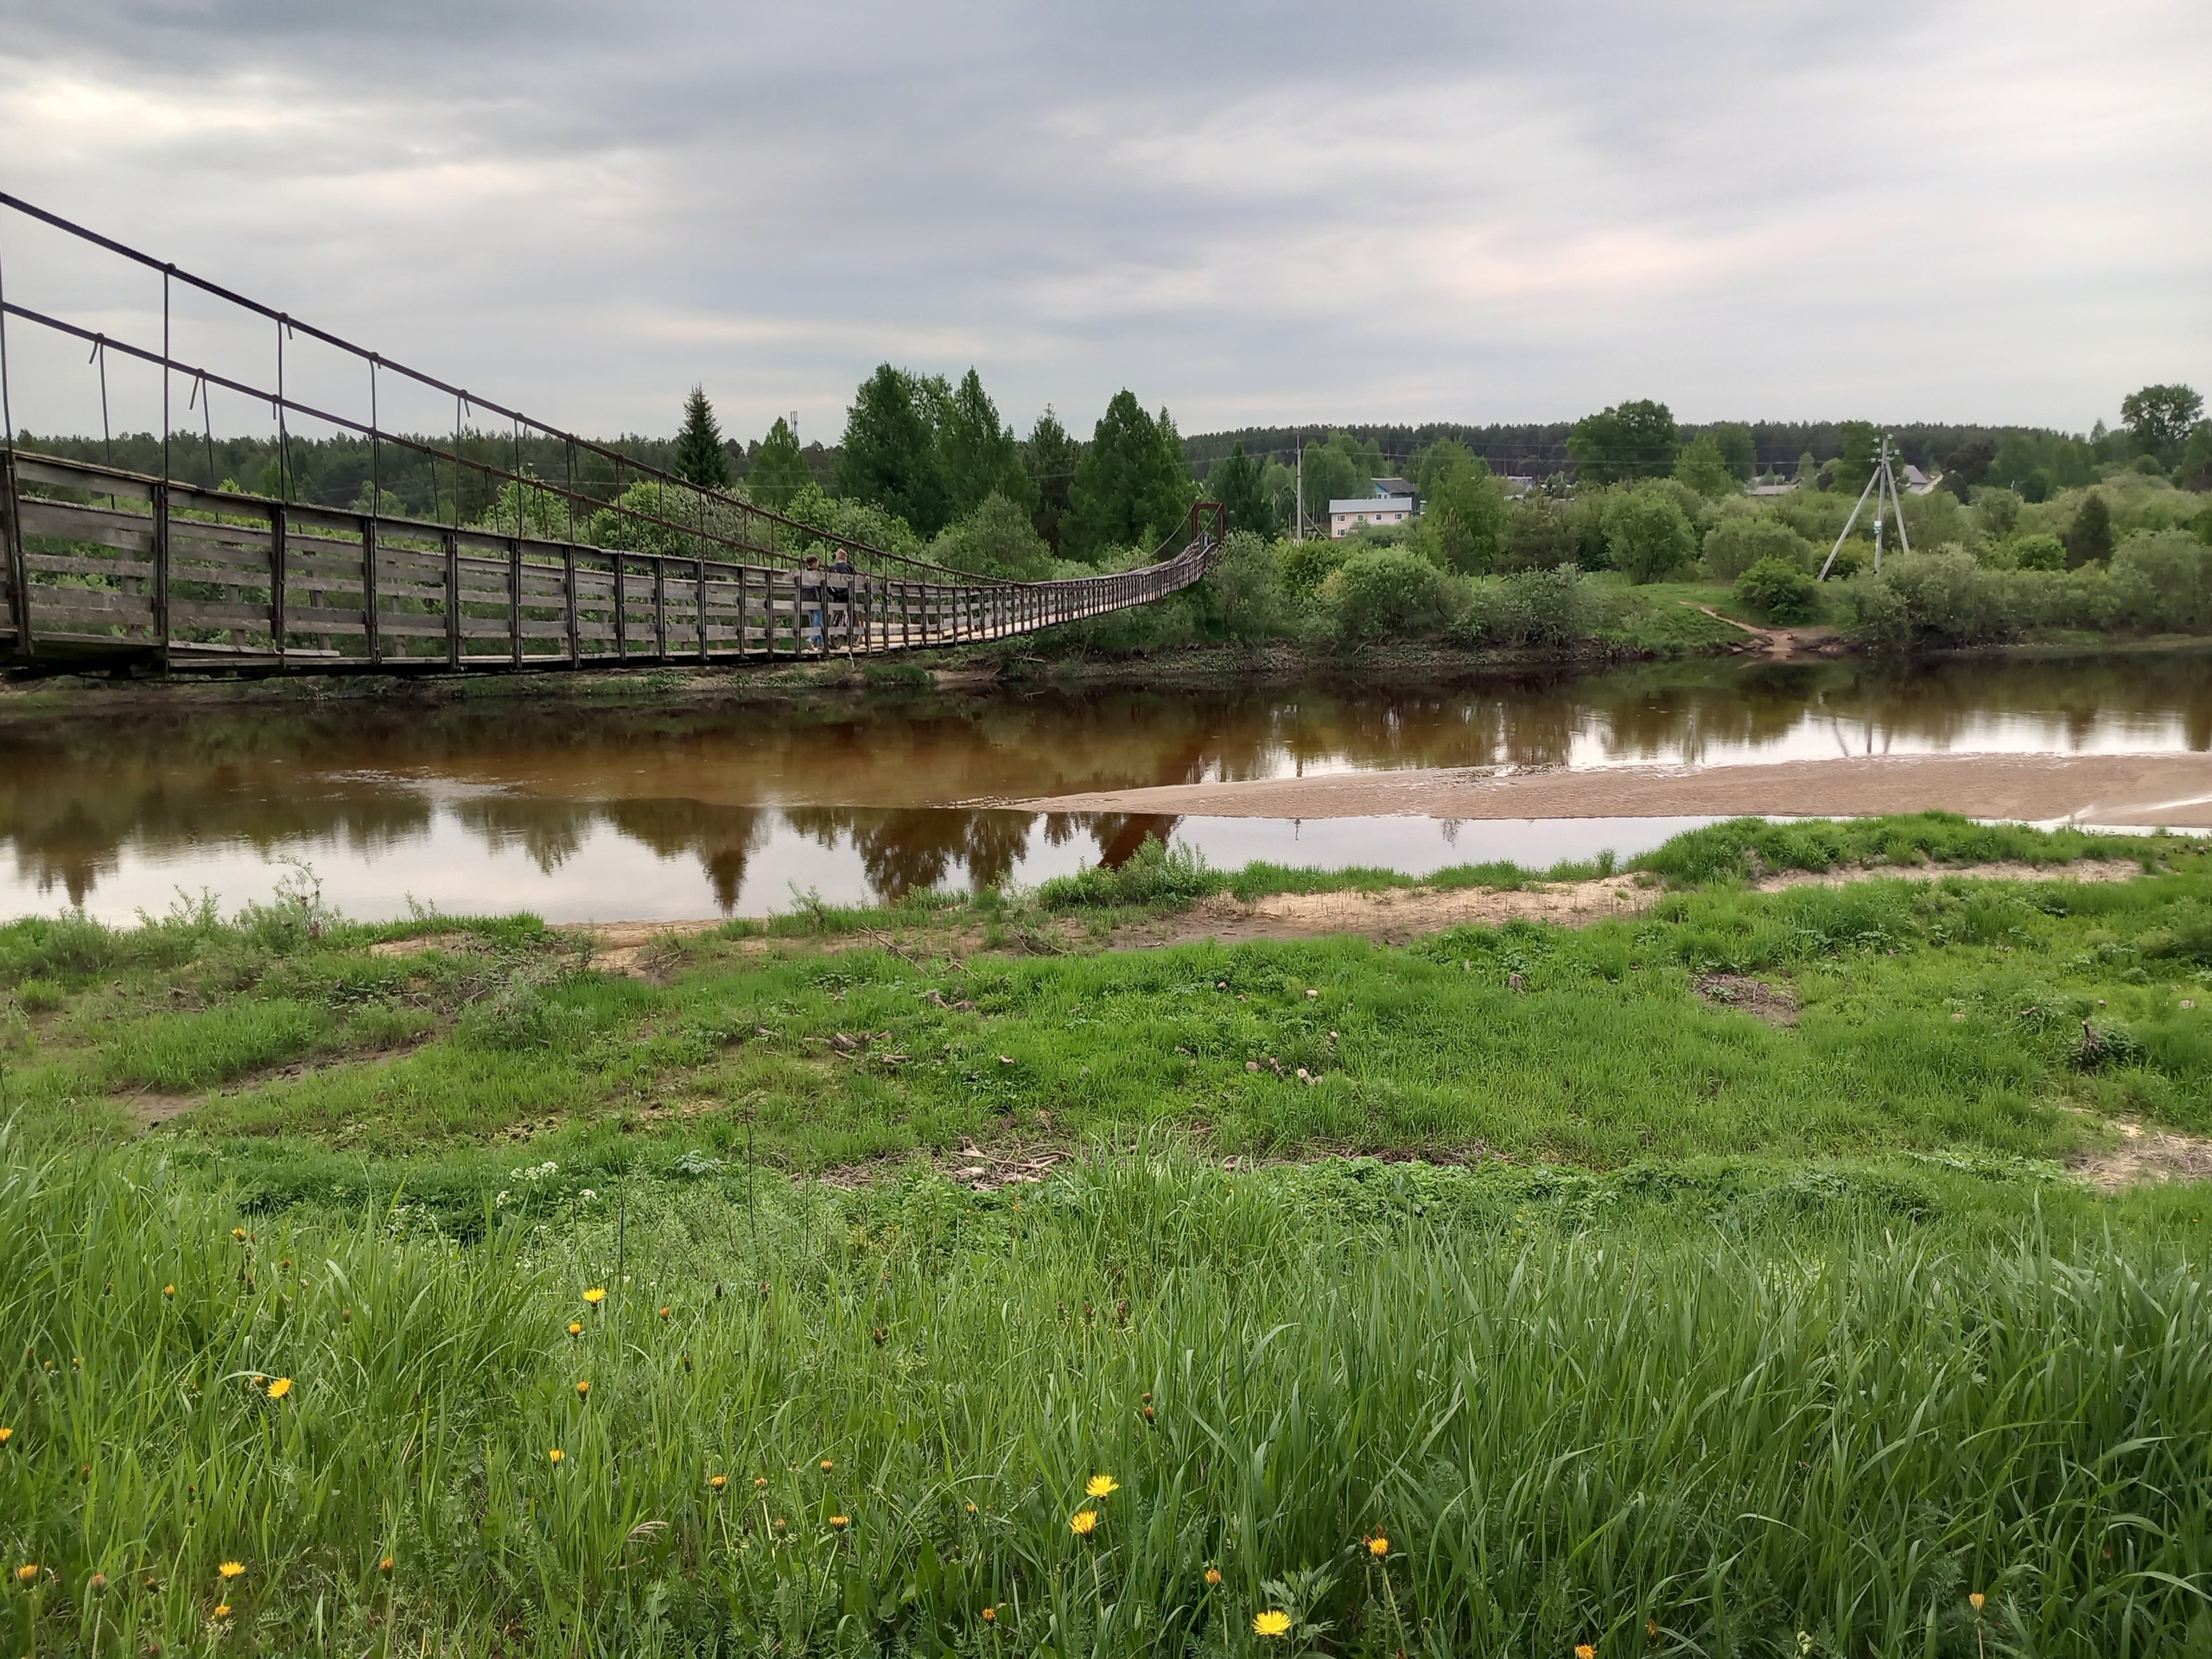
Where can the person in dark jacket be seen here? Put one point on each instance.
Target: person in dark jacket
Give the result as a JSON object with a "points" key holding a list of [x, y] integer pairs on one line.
{"points": [[841, 572], [810, 603]]}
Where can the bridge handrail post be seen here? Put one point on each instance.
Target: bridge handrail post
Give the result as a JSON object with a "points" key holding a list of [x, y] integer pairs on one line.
{"points": [[451, 538], [573, 623], [279, 588], [702, 605], [12, 559]]}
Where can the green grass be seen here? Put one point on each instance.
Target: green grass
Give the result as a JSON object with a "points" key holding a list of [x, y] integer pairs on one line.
{"points": [[1835, 1410], [1740, 1329]]}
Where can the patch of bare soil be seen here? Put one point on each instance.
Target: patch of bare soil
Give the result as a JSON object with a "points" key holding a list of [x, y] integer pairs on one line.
{"points": [[1775, 1004], [2147, 1155], [1397, 915]]}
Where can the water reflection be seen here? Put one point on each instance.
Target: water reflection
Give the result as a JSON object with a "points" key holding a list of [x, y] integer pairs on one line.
{"points": [[709, 802]]}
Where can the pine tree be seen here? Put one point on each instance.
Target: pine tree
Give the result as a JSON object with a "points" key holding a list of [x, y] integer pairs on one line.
{"points": [[1050, 458], [1237, 484], [1133, 485], [780, 469], [2088, 538], [890, 455], [980, 457], [700, 457]]}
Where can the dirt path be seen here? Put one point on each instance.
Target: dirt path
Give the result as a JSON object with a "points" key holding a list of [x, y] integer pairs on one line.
{"points": [[2113, 788], [1783, 645]]}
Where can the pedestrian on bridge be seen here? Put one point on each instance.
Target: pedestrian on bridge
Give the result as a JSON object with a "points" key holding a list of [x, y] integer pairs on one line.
{"points": [[810, 603], [841, 572]]}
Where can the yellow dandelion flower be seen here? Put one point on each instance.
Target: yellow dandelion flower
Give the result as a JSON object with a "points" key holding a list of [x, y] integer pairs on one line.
{"points": [[98, 1582], [759, 1481], [583, 1386], [1273, 1622], [827, 1466], [555, 1455], [170, 1291], [384, 1566], [223, 1610], [1378, 1546], [1583, 1650], [231, 1569], [596, 1296], [663, 1313], [1102, 1486], [971, 1509], [718, 1481], [1083, 1522], [27, 1572], [6, 1435], [1975, 1600], [238, 1233], [990, 1615], [1213, 1575], [576, 1327], [841, 1521], [280, 1388]]}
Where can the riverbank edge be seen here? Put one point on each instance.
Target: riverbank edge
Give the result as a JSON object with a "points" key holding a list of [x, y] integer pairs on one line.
{"points": [[1410, 666]]}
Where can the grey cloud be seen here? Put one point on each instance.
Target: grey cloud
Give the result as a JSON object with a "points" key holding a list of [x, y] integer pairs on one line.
{"points": [[1247, 211]]}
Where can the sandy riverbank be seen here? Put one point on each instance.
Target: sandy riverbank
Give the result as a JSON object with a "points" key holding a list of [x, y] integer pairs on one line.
{"points": [[2100, 789]]}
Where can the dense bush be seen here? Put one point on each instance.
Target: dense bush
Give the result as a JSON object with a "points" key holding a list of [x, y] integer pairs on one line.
{"points": [[1247, 587], [995, 540], [1648, 535], [1307, 565], [1386, 590], [1778, 590], [1559, 607], [1737, 543], [2161, 579]]}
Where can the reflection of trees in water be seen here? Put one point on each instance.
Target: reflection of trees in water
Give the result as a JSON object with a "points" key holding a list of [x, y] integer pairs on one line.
{"points": [[1120, 833], [723, 838], [906, 850]]}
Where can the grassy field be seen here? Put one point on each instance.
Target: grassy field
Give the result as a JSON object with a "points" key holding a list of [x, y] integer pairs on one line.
{"points": [[1712, 1319]]}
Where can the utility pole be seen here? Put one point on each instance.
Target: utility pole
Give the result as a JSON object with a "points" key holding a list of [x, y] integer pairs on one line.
{"points": [[1885, 480]]}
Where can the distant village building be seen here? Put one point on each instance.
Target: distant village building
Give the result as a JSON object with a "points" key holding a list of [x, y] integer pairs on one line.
{"points": [[1917, 482], [1349, 515]]}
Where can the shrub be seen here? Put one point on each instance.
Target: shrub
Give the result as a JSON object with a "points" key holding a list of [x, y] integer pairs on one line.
{"points": [[1540, 535], [2162, 579], [1921, 598], [2032, 553], [1648, 535], [1307, 565], [1557, 606], [1777, 590], [995, 540], [1386, 590], [1247, 584], [1155, 874], [1735, 544]]}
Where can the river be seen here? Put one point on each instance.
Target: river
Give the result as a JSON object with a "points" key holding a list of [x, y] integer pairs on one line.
{"points": [[590, 808]]}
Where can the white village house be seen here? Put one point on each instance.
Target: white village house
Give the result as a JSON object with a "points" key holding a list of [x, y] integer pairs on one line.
{"points": [[1391, 502]]}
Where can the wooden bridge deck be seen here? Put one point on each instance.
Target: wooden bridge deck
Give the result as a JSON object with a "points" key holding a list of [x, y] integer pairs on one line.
{"points": [[111, 569]]}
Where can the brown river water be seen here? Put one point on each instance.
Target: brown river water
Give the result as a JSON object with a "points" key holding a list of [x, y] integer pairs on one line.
{"points": [[685, 808]]}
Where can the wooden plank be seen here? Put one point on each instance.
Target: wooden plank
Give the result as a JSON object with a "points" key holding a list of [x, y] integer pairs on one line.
{"points": [[31, 470], [90, 604]]}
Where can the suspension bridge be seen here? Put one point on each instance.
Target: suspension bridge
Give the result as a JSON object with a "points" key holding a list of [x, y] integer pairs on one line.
{"points": [[104, 569]]}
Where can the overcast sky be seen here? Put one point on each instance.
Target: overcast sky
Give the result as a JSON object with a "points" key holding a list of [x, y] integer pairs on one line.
{"points": [[1985, 210]]}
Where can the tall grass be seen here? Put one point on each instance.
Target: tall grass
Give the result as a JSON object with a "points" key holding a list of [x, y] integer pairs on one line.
{"points": [[1692, 1443]]}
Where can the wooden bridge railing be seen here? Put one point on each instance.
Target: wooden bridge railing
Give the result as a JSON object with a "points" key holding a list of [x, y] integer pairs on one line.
{"points": [[102, 566]]}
